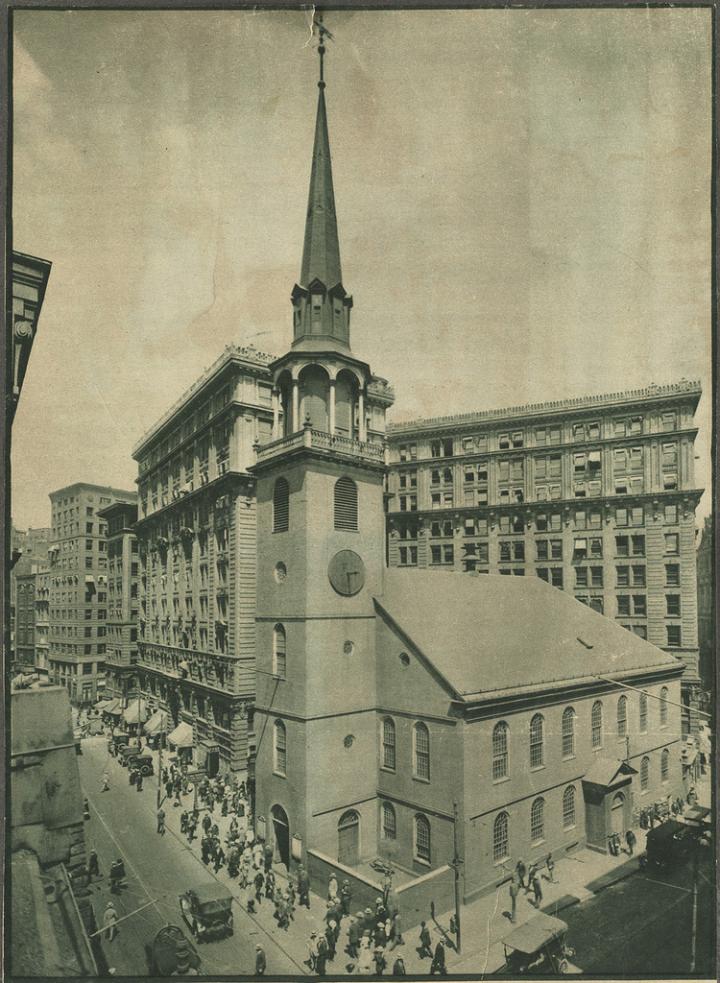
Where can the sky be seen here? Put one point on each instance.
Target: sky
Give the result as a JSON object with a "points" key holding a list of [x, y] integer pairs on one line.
{"points": [[523, 202]]}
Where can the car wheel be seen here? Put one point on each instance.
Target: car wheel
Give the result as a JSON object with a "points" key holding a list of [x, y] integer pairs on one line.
{"points": [[146, 770]]}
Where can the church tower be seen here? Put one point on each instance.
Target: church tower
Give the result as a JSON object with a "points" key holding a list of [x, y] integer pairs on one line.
{"points": [[320, 561]]}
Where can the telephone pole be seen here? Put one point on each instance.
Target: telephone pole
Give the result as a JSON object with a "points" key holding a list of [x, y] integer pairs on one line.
{"points": [[456, 864]]}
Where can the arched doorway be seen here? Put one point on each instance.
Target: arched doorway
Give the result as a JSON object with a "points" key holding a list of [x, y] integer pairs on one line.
{"points": [[349, 838], [281, 831], [314, 387], [617, 814]]}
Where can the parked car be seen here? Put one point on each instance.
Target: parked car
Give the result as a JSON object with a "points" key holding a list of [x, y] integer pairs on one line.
{"points": [[670, 843], [207, 911], [143, 763], [538, 947]]}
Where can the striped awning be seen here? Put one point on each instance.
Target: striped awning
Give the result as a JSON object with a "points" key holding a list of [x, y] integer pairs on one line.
{"points": [[157, 724], [182, 736], [114, 708], [135, 712]]}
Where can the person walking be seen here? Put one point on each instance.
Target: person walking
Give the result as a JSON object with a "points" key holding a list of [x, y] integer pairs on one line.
{"points": [[312, 947], [332, 891], [396, 937], [514, 891], [438, 963], [345, 897], [537, 889], [110, 918], [353, 939], [425, 951], [206, 823], [161, 821], [260, 960], [105, 787], [270, 885], [330, 938], [168, 788], [219, 859], [550, 864], [267, 857], [139, 782], [379, 959], [93, 864], [399, 967], [303, 886], [259, 880], [521, 870], [322, 955], [184, 821], [387, 888], [631, 840]]}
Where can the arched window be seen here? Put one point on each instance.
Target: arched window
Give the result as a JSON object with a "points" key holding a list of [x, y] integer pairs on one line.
{"points": [[346, 504], [389, 824], [568, 733], [663, 706], [279, 748], [279, 652], [537, 820], [644, 774], [501, 837], [643, 713], [421, 742], [500, 751], [568, 807], [537, 741], [388, 743], [622, 716], [422, 838], [664, 765], [596, 724], [281, 506]]}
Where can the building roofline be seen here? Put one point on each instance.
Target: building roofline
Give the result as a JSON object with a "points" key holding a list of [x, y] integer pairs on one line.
{"points": [[131, 494], [651, 392], [243, 353]]}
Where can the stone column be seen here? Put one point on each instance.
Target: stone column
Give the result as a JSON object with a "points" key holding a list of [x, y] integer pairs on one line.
{"points": [[276, 414], [332, 408], [295, 406], [362, 435]]}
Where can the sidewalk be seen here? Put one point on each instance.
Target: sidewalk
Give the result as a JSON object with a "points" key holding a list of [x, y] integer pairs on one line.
{"points": [[484, 922]]}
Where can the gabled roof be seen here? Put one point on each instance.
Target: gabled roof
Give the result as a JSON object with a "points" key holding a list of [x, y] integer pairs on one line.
{"points": [[489, 635], [606, 771]]}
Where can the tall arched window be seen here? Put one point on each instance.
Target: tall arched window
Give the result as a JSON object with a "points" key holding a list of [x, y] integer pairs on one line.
{"points": [[537, 741], [568, 733], [500, 751], [346, 504], [388, 743], [501, 837], [664, 765], [279, 748], [596, 724], [389, 823], [281, 506], [422, 838], [421, 742], [622, 716], [537, 820], [644, 774], [279, 652], [568, 807], [663, 706], [643, 713]]}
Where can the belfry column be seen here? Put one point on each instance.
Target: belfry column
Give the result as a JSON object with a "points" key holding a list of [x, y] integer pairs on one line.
{"points": [[295, 406], [276, 414], [332, 408], [362, 435]]}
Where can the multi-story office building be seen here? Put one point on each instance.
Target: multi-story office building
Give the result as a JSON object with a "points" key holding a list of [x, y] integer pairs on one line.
{"points": [[78, 588], [706, 604], [595, 495], [197, 552], [42, 621], [123, 575], [29, 549], [25, 621]]}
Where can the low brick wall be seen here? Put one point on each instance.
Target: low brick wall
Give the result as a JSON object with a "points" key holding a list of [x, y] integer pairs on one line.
{"points": [[416, 898], [365, 891]]}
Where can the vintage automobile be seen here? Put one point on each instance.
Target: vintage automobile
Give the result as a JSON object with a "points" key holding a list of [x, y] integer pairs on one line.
{"points": [[672, 842], [207, 911], [171, 953], [538, 947], [143, 763], [118, 741]]}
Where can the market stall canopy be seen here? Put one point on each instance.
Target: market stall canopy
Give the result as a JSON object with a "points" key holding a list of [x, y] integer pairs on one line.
{"points": [[136, 712], [114, 708], [157, 724], [182, 736], [101, 704]]}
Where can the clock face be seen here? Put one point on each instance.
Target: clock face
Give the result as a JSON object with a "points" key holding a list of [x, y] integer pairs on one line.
{"points": [[347, 573]]}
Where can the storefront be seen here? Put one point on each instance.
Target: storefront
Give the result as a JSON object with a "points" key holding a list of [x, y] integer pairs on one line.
{"points": [[181, 740]]}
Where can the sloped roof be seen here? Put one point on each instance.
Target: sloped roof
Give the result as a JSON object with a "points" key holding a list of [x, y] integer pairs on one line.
{"points": [[492, 633], [604, 771]]}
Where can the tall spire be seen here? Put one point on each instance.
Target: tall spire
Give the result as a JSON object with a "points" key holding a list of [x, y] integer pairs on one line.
{"points": [[322, 308], [321, 251]]}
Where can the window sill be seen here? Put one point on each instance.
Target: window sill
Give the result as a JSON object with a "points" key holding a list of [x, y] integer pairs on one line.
{"points": [[279, 774], [500, 781], [388, 771], [537, 768], [534, 843], [569, 757], [419, 778], [566, 829], [424, 863]]}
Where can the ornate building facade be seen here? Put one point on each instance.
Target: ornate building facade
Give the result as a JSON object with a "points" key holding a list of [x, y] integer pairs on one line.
{"points": [[595, 495], [197, 555], [706, 605]]}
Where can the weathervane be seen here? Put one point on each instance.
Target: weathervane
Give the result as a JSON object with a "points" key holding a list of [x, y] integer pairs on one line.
{"points": [[322, 33]]}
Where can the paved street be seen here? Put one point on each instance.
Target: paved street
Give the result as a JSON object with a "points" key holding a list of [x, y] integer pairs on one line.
{"points": [[642, 925], [158, 869]]}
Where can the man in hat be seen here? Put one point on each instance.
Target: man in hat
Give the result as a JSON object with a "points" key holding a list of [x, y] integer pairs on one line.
{"points": [[260, 960], [93, 865], [380, 963], [425, 949], [303, 887], [110, 921], [105, 783], [345, 897], [353, 938], [330, 938], [259, 881], [438, 963], [322, 955], [312, 951]]}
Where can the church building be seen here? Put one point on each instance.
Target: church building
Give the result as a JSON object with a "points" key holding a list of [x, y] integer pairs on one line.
{"points": [[402, 713]]}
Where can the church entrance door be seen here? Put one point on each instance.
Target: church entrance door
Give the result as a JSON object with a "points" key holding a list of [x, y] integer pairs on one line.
{"points": [[349, 838]]}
